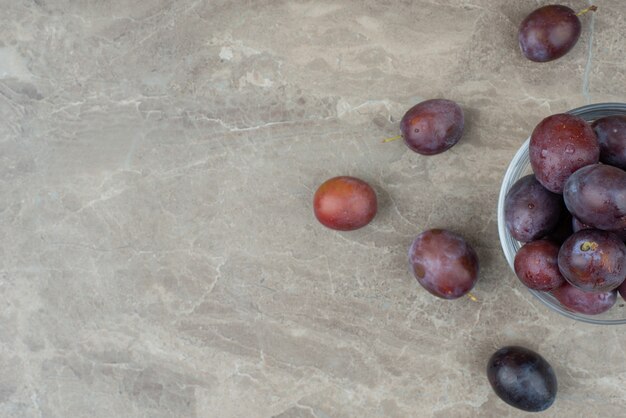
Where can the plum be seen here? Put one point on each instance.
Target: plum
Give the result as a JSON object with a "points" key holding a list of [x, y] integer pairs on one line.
{"points": [[522, 378], [345, 203], [537, 267], [593, 260], [596, 195], [433, 126], [548, 33], [559, 145], [443, 263], [530, 210]]}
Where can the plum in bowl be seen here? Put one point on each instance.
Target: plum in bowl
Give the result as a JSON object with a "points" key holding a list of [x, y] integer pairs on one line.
{"points": [[520, 167]]}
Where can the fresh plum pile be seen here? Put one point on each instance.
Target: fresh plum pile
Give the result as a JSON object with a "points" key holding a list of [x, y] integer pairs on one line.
{"points": [[570, 213], [578, 181]]}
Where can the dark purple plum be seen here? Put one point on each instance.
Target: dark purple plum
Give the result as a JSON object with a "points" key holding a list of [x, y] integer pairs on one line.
{"points": [[433, 126], [560, 145], [522, 378], [596, 195], [531, 211], [537, 267], [611, 133], [589, 303], [443, 263], [593, 260], [548, 33]]}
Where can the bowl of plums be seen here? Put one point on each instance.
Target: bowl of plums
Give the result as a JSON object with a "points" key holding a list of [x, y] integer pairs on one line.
{"points": [[562, 213]]}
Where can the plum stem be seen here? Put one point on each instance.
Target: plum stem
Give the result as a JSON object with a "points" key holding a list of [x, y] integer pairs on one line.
{"points": [[393, 138], [591, 8], [588, 245], [472, 297]]}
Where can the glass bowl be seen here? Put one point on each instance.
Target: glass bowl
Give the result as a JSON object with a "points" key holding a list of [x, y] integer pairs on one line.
{"points": [[519, 167]]}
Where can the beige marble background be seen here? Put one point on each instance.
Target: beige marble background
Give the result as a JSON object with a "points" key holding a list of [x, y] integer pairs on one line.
{"points": [[159, 256]]}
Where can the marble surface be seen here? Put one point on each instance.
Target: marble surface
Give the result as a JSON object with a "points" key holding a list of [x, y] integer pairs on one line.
{"points": [[159, 256]]}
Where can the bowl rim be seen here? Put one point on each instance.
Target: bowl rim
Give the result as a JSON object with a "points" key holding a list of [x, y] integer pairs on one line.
{"points": [[513, 171]]}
